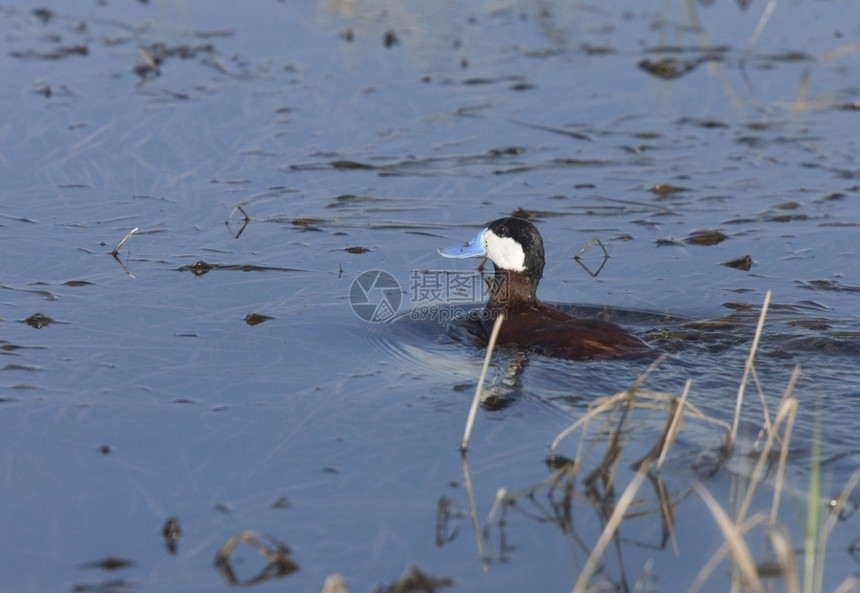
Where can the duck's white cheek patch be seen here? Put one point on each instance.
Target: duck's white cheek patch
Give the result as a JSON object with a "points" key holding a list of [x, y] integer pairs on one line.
{"points": [[504, 252]]}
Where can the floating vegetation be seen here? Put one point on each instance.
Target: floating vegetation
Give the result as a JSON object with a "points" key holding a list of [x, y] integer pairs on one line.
{"points": [[668, 68], [706, 238], [593, 476], [109, 563], [201, 267], [154, 55], [665, 189], [55, 54], [413, 580], [743, 262], [253, 319], [171, 532], [274, 553], [38, 320]]}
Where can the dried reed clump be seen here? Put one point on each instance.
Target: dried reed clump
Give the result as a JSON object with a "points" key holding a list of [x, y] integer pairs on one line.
{"points": [[591, 475]]}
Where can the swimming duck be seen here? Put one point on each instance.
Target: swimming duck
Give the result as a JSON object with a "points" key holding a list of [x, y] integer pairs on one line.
{"points": [[515, 247]]}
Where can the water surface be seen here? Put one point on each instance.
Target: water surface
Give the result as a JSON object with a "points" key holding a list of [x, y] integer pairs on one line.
{"points": [[363, 137]]}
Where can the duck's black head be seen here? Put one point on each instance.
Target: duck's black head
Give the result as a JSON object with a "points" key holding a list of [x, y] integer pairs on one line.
{"points": [[512, 244]]}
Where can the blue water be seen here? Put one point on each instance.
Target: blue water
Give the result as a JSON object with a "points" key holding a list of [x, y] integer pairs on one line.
{"points": [[149, 397]]}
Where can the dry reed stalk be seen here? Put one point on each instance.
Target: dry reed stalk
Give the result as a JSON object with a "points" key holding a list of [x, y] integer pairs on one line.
{"points": [[473, 514], [610, 528], [733, 533], [788, 409], [675, 425], [849, 584], [501, 495], [780, 543], [603, 404], [124, 239], [474, 409], [748, 367], [786, 412]]}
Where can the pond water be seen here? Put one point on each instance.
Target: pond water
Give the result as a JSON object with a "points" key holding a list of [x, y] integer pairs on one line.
{"points": [[215, 378]]}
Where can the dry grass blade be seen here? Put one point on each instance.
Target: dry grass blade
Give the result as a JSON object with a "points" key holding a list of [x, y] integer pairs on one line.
{"points": [[788, 409], [240, 209], [611, 526], [334, 583], [124, 239], [474, 409], [473, 513], [849, 584], [734, 540], [780, 544], [786, 412], [501, 495], [602, 405], [839, 502], [676, 424], [762, 23], [747, 369]]}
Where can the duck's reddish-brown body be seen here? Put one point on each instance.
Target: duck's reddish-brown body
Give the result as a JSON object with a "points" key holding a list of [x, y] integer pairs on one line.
{"points": [[530, 322]]}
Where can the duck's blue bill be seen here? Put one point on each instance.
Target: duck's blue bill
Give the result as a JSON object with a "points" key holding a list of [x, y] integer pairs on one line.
{"points": [[474, 248]]}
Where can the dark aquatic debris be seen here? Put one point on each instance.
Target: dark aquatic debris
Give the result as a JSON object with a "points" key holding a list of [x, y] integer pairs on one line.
{"points": [[109, 563], [308, 223], [45, 293], [553, 130], [43, 14], [201, 267], [253, 319], [589, 245], [413, 580], [170, 531], [154, 55], [243, 223], [273, 551], [702, 122], [743, 262], [432, 165], [706, 238], [55, 54], [675, 66], [348, 200], [111, 586], [664, 189], [833, 285], [668, 68], [38, 320], [346, 164], [389, 39]]}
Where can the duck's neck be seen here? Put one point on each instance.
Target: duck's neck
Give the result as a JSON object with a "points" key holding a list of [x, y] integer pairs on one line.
{"points": [[510, 291]]}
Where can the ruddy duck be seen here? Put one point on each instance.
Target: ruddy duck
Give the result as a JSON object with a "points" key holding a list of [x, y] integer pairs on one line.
{"points": [[515, 247]]}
